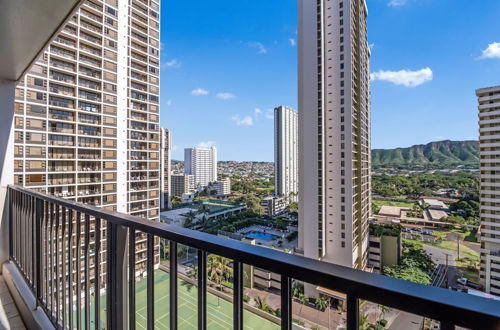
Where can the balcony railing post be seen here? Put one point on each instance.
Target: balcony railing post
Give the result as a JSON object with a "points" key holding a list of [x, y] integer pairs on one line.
{"points": [[352, 312], [117, 277], [38, 248]]}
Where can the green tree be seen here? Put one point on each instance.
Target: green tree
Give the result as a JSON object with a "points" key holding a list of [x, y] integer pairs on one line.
{"points": [[218, 270], [321, 304]]}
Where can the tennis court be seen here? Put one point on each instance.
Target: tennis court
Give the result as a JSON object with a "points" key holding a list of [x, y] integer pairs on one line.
{"points": [[219, 311]]}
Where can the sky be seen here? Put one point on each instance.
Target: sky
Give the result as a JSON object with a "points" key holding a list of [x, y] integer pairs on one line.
{"points": [[226, 64]]}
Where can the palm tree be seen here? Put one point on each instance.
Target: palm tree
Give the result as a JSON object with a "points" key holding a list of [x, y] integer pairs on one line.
{"points": [[321, 304], [189, 218], [218, 270], [363, 322], [261, 304]]}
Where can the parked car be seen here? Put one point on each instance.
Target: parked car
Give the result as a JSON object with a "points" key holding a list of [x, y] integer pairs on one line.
{"points": [[462, 280]]}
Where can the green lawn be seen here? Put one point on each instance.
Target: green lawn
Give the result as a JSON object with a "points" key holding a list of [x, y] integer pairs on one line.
{"points": [[379, 203], [219, 311]]}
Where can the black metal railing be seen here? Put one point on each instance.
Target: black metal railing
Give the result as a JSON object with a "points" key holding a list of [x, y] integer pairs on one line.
{"points": [[74, 255]]}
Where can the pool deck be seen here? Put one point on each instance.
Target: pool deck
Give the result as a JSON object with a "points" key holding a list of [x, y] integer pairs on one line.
{"points": [[281, 235]]}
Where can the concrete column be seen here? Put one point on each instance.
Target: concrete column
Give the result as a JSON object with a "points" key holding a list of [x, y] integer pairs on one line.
{"points": [[7, 90]]}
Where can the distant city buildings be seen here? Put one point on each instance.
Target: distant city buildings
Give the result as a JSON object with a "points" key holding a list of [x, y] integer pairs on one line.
{"points": [[286, 153], [181, 184], [165, 167], [334, 131], [489, 134], [202, 164]]}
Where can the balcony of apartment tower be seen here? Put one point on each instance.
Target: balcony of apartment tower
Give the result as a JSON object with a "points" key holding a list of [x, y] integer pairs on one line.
{"points": [[70, 265]]}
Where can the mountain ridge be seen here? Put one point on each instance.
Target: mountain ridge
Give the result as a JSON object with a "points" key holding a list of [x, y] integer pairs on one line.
{"points": [[436, 154]]}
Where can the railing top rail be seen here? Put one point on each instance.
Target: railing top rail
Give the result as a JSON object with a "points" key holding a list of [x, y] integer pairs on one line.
{"points": [[436, 303]]}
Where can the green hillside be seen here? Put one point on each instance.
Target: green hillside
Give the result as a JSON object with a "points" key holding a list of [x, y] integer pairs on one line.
{"points": [[441, 154]]}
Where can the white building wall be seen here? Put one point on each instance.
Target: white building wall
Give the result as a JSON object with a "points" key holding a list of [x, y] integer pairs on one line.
{"points": [[202, 164]]}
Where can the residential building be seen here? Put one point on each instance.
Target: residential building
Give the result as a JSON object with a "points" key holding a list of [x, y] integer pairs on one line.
{"points": [[165, 167], [286, 152], [202, 164], [274, 205], [86, 121], [384, 247], [334, 131], [222, 188], [489, 133], [181, 184]]}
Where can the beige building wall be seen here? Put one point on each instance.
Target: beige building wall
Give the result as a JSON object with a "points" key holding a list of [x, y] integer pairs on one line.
{"points": [[334, 131], [489, 143]]}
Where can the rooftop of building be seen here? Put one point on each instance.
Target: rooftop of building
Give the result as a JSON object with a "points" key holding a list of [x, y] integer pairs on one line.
{"points": [[392, 210]]}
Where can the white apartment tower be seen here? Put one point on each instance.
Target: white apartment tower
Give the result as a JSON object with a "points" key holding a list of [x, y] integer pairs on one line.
{"points": [[489, 135], [286, 152], [334, 131], [166, 167], [202, 164], [87, 113]]}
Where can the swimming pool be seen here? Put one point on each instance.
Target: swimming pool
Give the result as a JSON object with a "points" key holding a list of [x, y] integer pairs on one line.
{"points": [[260, 235]]}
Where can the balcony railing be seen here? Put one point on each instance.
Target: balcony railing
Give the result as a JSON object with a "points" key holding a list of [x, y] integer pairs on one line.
{"points": [[59, 246]]}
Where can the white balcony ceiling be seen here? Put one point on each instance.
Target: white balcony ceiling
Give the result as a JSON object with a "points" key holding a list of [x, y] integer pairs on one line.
{"points": [[26, 26]]}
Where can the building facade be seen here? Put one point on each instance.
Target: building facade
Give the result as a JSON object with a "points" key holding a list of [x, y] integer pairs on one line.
{"points": [[87, 113], [274, 205], [222, 188], [334, 131], [202, 164], [165, 167], [181, 184], [286, 152], [489, 135]]}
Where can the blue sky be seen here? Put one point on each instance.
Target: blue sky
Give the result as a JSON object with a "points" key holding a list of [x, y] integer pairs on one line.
{"points": [[226, 64]]}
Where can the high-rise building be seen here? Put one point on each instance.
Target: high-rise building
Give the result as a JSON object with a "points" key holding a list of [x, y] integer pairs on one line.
{"points": [[221, 188], [334, 131], [202, 164], [165, 166], [87, 113], [286, 152], [181, 184], [489, 133]]}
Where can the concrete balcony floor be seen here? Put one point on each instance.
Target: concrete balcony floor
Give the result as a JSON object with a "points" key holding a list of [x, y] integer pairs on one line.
{"points": [[9, 314]]}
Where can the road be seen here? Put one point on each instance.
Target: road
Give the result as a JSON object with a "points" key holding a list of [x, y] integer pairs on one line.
{"points": [[407, 321], [438, 255]]}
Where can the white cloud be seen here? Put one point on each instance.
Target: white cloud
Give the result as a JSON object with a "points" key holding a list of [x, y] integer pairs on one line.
{"points": [[404, 77], [199, 92], [225, 96], [492, 51], [242, 121], [270, 113], [168, 103], [397, 3], [257, 112], [371, 46], [175, 148], [261, 49], [170, 64], [206, 144], [292, 42]]}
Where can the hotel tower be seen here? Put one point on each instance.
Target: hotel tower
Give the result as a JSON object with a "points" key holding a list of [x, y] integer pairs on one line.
{"points": [[334, 131]]}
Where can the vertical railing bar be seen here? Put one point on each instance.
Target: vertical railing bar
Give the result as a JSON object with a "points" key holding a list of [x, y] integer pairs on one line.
{"points": [[38, 251], [86, 272], [237, 295], [78, 278], [97, 272], [131, 279], [22, 232], [110, 289], [173, 285], [352, 312], [10, 205], [51, 259], [202, 290], [286, 302], [58, 287], [46, 241], [150, 282], [70, 267], [32, 245], [63, 264]]}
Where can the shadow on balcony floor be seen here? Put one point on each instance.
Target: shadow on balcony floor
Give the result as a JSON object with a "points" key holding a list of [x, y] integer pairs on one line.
{"points": [[9, 315]]}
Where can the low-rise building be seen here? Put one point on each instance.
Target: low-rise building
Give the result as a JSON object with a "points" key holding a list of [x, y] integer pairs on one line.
{"points": [[221, 188], [274, 205], [384, 246], [181, 184], [201, 210]]}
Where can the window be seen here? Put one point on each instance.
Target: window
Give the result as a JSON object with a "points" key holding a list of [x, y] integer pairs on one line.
{"points": [[38, 82]]}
